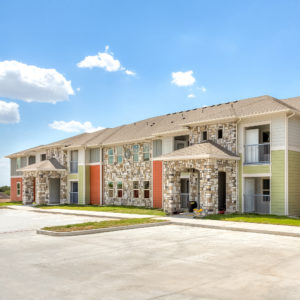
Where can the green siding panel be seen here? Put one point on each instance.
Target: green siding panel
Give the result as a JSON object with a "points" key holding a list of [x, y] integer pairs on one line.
{"points": [[84, 184], [294, 183], [256, 169], [278, 182], [73, 177]]}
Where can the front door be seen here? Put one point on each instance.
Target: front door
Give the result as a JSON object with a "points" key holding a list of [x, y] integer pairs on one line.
{"points": [[222, 191], [54, 190]]}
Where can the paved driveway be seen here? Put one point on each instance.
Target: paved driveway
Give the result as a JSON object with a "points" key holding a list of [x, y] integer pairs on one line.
{"points": [[167, 262]]}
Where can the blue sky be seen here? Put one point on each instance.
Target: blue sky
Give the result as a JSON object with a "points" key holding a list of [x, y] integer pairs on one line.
{"points": [[235, 50]]}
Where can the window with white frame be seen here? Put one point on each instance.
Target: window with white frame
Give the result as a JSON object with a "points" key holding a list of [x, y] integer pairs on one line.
{"points": [[120, 154], [18, 162], [146, 152], [74, 162], [136, 149], [110, 156], [119, 189], [31, 160], [135, 189], [146, 189], [18, 189], [94, 155], [110, 189]]}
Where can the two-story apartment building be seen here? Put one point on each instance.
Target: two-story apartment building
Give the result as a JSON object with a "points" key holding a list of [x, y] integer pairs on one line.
{"points": [[236, 156]]}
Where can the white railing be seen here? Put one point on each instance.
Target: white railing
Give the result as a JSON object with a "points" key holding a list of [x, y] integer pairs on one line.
{"points": [[259, 153], [257, 203]]}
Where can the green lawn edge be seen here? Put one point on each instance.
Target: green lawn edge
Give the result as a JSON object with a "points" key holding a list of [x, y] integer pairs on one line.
{"points": [[101, 224], [10, 203], [256, 218], [113, 209]]}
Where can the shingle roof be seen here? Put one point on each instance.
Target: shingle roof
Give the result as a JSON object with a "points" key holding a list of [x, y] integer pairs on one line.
{"points": [[203, 150], [51, 164], [177, 122]]}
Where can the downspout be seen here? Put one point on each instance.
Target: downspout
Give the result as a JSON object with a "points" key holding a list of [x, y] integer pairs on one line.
{"points": [[286, 161]]}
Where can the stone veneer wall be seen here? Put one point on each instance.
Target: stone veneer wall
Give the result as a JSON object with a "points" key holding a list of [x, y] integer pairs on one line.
{"points": [[127, 172], [59, 154], [229, 134], [208, 171]]}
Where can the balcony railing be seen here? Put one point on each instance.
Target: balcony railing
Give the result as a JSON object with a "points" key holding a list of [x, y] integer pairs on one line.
{"points": [[257, 203], [73, 197], [257, 154], [73, 166]]}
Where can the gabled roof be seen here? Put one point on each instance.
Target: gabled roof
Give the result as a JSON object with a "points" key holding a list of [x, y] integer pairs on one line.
{"points": [[203, 150], [51, 164]]}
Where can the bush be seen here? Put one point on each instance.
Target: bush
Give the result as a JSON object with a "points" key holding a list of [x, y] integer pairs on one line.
{"points": [[5, 189]]}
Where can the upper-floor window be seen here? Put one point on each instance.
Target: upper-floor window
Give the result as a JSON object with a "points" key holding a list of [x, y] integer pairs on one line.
{"points": [[120, 154], [220, 133], [146, 189], [157, 148], [204, 135], [110, 156], [146, 152], [94, 155], [18, 163], [31, 160], [136, 149], [74, 161], [43, 156]]}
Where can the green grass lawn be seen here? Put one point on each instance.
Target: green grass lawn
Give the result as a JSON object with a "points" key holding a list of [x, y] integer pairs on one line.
{"points": [[114, 209], [255, 218], [10, 203], [103, 224]]}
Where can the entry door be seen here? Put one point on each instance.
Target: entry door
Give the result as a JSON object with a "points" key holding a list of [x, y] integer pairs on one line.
{"points": [[249, 197], [222, 191], [252, 140], [54, 190]]}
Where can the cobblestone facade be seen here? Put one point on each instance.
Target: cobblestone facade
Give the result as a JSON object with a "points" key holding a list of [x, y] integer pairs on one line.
{"points": [[229, 135], [59, 154], [127, 172], [207, 171]]}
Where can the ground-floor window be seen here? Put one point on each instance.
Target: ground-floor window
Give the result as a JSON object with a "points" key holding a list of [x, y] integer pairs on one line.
{"points": [[120, 189], [18, 189], [146, 189], [135, 189], [74, 192], [110, 189]]}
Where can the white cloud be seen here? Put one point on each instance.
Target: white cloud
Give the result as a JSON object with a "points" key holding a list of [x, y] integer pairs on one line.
{"points": [[183, 78], [4, 171], [104, 60], [191, 96], [31, 83], [78, 89], [9, 112], [131, 73], [74, 126], [202, 89]]}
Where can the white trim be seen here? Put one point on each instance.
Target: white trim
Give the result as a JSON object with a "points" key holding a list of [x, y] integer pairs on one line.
{"points": [[93, 164], [20, 176], [201, 156], [257, 175], [293, 148], [259, 123], [276, 148]]}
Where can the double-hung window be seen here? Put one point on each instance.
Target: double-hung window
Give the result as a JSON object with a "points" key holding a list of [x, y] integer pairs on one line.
{"points": [[146, 152], [120, 154], [110, 189], [18, 163], [74, 162], [31, 160], [94, 155], [136, 149], [18, 189], [146, 189], [110, 156], [119, 189], [135, 189]]}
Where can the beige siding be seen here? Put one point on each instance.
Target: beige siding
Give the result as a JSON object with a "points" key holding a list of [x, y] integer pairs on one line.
{"points": [[278, 132], [294, 132]]}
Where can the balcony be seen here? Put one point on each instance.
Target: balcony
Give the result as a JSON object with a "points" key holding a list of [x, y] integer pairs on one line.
{"points": [[73, 197], [257, 154], [257, 203], [73, 166]]}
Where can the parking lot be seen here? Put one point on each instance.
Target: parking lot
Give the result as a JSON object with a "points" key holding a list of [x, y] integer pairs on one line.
{"points": [[167, 262]]}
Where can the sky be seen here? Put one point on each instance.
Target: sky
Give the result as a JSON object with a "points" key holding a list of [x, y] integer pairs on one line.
{"points": [[68, 67]]}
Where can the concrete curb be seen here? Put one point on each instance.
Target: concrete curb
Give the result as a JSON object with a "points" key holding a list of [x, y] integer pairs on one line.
{"points": [[261, 231], [100, 230]]}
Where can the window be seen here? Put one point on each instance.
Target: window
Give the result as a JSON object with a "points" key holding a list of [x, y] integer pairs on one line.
{"points": [[110, 156], [18, 162], [120, 154], [135, 189], [119, 189], [136, 149], [31, 160], [204, 136], [220, 133], [94, 155], [146, 154], [18, 189], [146, 189], [43, 156], [110, 189], [74, 162], [74, 192], [157, 148], [266, 137], [266, 187]]}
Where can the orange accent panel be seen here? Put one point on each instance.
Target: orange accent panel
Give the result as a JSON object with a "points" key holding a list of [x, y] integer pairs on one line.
{"points": [[157, 184], [95, 185], [13, 189]]}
